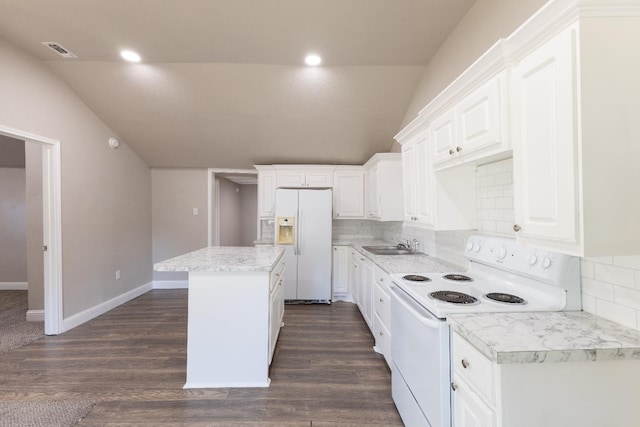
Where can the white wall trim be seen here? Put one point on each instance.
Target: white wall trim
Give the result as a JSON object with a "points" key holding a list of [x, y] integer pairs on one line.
{"points": [[14, 286], [170, 284], [95, 311], [35, 316]]}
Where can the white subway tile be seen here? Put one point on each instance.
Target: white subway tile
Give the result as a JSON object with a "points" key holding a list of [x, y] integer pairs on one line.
{"points": [[600, 290], [495, 191], [482, 170], [494, 168], [630, 261], [488, 203], [486, 181], [600, 259], [627, 297], [504, 203], [589, 303], [508, 190], [488, 226], [617, 313], [615, 275], [509, 215], [483, 214], [504, 178], [507, 164], [587, 269], [506, 228]]}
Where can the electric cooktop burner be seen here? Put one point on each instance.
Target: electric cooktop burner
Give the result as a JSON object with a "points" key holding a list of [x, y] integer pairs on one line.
{"points": [[458, 277], [416, 278], [453, 297], [505, 298]]}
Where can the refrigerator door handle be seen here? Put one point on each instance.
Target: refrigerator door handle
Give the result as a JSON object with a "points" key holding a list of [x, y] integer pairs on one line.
{"points": [[299, 230]]}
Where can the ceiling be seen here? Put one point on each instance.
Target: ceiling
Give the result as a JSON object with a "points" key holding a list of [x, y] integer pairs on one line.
{"points": [[222, 82]]}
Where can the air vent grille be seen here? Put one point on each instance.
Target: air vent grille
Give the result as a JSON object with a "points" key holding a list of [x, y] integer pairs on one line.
{"points": [[59, 49]]}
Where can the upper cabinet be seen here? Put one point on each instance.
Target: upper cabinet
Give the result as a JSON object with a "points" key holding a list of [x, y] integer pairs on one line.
{"points": [[266, 191], [348, 192], [417, 181], [299, 176], [383, 187]]}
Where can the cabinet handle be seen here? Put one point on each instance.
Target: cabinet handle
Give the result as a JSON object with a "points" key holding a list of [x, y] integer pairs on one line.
{"points": [[516, 228], [381, 333], [465, 363], [454, 386], [381, 300], [451, 151], [458, 149]]}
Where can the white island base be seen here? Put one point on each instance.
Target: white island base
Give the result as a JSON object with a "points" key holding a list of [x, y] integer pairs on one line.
{"points": [[236, 307]]}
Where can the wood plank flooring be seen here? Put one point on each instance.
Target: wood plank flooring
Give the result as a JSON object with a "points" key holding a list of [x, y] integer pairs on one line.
{"points": [[132, 362]]}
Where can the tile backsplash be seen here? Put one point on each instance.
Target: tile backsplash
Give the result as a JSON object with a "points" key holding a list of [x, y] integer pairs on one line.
{"points": [[494, 189]]}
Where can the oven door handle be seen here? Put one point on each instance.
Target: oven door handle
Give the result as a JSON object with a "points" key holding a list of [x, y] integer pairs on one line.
{"points": [[423, 315]]}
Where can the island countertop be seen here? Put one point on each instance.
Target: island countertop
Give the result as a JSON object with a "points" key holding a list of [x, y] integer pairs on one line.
{"points": [[224, 259], [538, 337]]}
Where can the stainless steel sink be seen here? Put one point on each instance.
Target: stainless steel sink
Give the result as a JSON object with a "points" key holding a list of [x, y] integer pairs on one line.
{"points": [[387, 250]]}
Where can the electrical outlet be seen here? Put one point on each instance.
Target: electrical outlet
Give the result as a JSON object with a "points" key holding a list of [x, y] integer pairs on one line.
{"points": [[117, 274], [195, 211]]}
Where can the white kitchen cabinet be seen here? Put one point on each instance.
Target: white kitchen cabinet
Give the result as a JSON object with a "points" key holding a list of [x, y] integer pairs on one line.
{"points": [[366, 294], [348, 192], [551, 394], [354, 275], [474, 127], [383, 187], [417, 181], [276, 305], [340, 273], [575, 133], [266, 191], [300, 176], [382, 313]]}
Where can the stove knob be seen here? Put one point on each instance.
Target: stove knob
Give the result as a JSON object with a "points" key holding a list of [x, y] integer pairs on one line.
{"points": [[533, 259], [476, 247], [502, 253], [469, 246], [546, 262]]}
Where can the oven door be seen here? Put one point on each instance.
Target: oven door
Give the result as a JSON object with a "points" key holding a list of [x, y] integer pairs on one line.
{"points": [[421, 372]]}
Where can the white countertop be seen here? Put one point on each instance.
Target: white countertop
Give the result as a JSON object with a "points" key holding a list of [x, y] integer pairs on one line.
{"points": [[224, 258], [410, 263], [539, 337]]}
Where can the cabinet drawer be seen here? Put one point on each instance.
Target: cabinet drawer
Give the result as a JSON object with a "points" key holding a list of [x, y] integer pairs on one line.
{"points": [[276, 274], [382, 279], [473, 367], [382, 304], [383, 338]]}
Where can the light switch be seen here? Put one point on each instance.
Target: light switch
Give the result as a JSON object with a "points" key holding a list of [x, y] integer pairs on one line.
{"points": [[195, 211]]}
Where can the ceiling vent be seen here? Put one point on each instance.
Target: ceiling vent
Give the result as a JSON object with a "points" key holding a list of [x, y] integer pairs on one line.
{"points": [[59, 49]]}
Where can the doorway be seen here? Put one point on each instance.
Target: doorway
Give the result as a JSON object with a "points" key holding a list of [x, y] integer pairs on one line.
{"points": [[232, 207], [51, 226]]}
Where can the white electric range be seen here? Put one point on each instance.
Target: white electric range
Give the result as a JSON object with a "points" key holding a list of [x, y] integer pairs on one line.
{"points": [[502, 276]]}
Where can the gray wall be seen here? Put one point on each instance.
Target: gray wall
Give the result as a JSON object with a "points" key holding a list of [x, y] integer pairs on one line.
{"points": [[175, 192], [230, 222], [11, 152], [486, 22], [35, 259], [106, 193], [13, 240], [248, 214]]}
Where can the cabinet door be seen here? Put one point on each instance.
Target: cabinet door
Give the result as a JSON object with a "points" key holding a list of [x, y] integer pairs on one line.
{"points": [[409, 181], [319, 179], [354, 275], [291, 178], [423, 178], [545, 144], [443, 136], [266, 194], [348, 194], [480, 117], [340, 272], [367, 292], [468, 409], [373, 193]]}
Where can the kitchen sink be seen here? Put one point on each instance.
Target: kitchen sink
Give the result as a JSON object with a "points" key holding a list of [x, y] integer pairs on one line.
{"points": [[387, 250]]}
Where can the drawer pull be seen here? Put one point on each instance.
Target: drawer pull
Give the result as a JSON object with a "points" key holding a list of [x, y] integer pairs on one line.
{"points": [[380, 333], [381, 300], [465, 363], [454, 386]]}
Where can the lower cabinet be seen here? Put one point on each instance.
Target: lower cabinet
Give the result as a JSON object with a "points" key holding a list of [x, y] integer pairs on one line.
{"points": [[366, 294], [382, 313], [276, 306], [551, 394], [340, 273]]}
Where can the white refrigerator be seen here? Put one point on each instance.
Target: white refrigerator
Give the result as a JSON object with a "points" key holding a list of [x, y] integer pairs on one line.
{"points": [[303, 228]]}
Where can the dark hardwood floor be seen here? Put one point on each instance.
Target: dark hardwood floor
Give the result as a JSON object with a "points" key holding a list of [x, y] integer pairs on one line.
{"points": [[132, 360]]}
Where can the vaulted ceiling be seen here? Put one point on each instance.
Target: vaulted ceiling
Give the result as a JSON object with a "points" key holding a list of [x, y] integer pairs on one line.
{"points": [[222, 82]]}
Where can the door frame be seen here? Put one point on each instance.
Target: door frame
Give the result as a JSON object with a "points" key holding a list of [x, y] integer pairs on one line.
{"points": [[213, 201], [52, 225]]}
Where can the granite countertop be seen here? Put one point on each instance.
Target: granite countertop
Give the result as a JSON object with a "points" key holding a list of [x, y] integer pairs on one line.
{"points": [[392, 264], [224, 258], [539, 337]]}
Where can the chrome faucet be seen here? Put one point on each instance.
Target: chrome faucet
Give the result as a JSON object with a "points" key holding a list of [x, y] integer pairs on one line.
{"points": [[404, 244], [416, 245]]}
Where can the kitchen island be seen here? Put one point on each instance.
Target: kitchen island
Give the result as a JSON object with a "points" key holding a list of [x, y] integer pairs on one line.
{"points": [[236, 306]]}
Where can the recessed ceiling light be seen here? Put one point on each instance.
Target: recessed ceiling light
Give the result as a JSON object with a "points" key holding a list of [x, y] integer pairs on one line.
{"points": [[313, 60], [130, 56]]}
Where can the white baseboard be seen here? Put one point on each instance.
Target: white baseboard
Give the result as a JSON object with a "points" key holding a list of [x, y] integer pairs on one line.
{"points": [[95, 311], [171, 284], [35, 316], [14, 286]]}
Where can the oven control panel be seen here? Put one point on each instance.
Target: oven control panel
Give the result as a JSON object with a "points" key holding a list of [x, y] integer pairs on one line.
{"points": [[507, 254]]}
